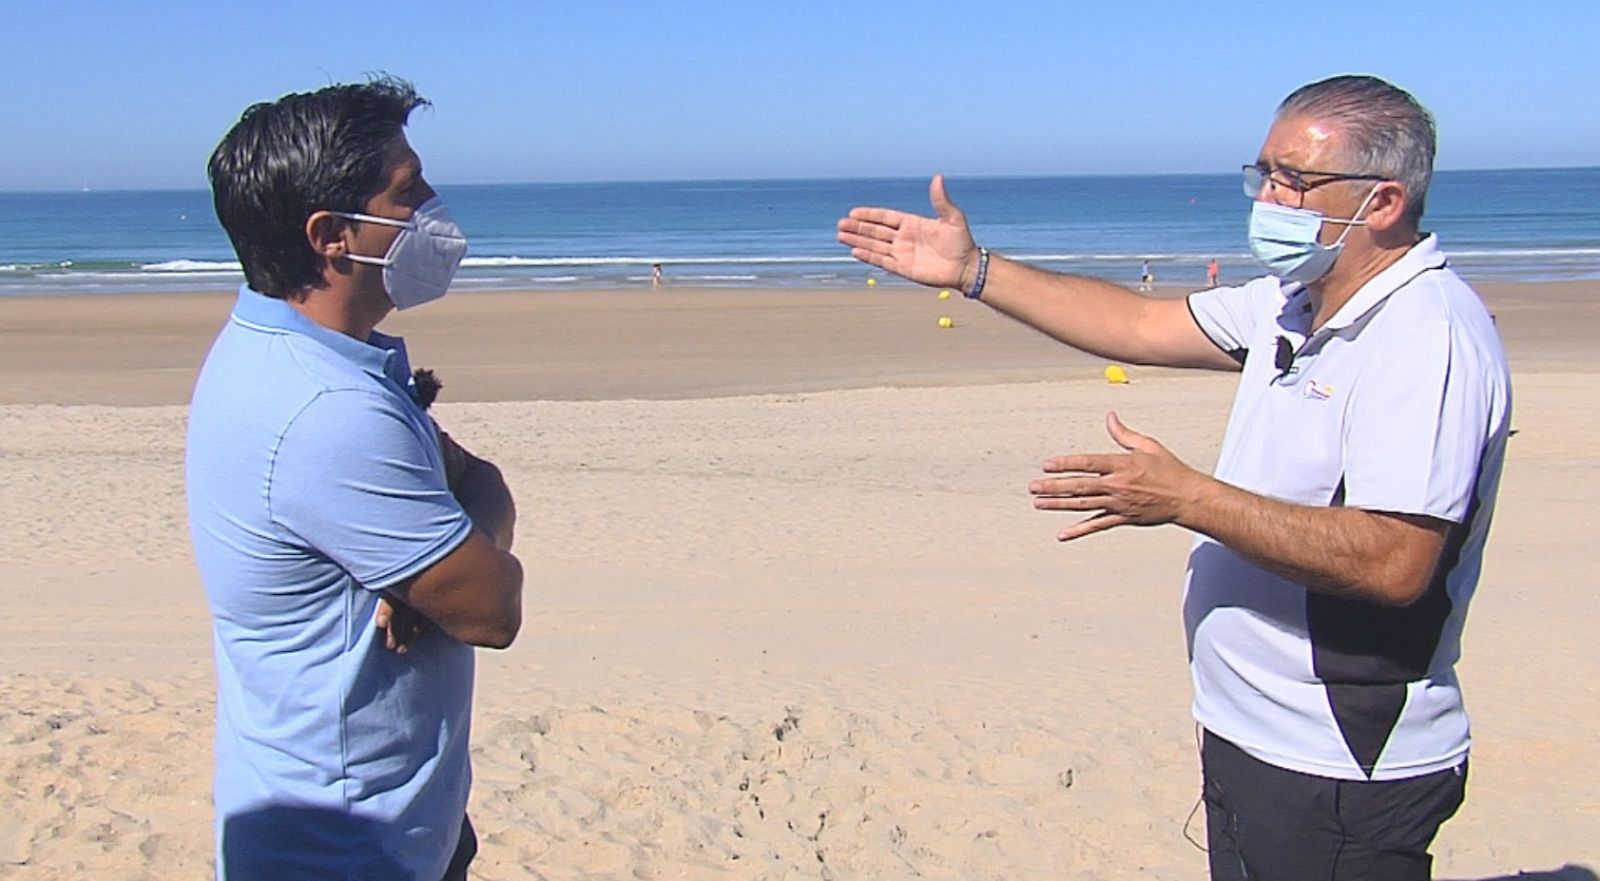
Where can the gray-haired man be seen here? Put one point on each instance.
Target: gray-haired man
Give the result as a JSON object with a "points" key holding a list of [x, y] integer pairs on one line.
{"points": [[1342, 535]]}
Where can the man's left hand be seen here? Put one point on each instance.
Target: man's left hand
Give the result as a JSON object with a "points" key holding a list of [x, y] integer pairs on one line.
{"points": [[1145, 486]]}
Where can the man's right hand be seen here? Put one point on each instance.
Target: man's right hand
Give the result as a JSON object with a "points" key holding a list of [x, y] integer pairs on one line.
{"points": [[936, 251]]}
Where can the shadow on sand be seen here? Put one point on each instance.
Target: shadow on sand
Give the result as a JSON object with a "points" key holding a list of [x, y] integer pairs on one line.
{"points": [[1569, 872]]}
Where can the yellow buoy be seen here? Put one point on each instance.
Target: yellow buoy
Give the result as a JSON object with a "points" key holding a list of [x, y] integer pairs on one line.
{"points": [[944, 321], [944, 295], [872, 282], [1116, 375]]}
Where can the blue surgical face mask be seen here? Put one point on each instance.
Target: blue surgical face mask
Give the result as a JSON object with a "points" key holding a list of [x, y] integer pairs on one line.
{"points": [[1285, 241]]}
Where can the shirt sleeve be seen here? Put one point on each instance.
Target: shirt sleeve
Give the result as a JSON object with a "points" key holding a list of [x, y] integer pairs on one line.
{"points": [[1228, 316], [360, 480], [1418, 423]]}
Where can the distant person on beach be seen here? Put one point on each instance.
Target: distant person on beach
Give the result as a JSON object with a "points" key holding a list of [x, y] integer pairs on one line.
{"points": [[352, 554], [1342, 536], [655, 276], [1147, 279], [1212, 273]]}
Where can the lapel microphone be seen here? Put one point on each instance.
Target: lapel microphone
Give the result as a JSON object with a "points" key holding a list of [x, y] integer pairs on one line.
{"points": [[1283, 359]]}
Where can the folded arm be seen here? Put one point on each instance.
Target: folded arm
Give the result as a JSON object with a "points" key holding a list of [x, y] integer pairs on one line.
{"points": [[474, 593], [481, 489]]}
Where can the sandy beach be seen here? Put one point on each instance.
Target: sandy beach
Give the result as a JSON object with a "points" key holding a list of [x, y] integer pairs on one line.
{"points": [[790, 613]]}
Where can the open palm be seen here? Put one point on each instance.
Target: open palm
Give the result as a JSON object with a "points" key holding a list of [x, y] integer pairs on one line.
{"points": [[936, 251]]}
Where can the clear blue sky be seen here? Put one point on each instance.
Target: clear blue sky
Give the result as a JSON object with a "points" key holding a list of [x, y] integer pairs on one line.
{"points": [[135, 94]]}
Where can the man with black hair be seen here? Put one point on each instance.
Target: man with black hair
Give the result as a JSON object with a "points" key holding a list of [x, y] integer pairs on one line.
{"points": [[352, 555], [1341, 538]]}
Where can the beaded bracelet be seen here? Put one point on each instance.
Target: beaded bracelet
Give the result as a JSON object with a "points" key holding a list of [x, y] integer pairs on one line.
{"points": [[983, 275]]}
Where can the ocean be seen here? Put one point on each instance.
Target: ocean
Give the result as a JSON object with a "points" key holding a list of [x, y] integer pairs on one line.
{"points": [[1506, 225]]}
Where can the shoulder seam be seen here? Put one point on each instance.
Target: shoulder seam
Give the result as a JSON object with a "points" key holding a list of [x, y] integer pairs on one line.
{"points": [[277, 446]]}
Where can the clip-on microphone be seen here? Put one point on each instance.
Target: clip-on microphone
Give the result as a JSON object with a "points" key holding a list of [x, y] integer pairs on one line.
{"points": [[1283, 359]]}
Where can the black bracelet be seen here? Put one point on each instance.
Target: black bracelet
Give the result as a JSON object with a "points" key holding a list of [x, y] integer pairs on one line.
{"points": [[983, 276]]}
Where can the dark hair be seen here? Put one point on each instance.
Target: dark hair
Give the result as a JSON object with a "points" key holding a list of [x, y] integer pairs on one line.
{"points": [[305, 152], [1386, 130]]}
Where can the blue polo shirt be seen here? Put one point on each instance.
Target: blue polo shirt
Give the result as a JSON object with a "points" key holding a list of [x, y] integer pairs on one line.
{"points": [[314, 482]]}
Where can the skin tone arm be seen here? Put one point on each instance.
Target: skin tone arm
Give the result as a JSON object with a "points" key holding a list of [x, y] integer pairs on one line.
{"points": [[481, 489], [1381, 557], [1085, 313], [475, 593], [1376, 556]]}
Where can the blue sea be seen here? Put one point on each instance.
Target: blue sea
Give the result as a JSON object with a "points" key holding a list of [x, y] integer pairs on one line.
{"points": [[1511, 225]]}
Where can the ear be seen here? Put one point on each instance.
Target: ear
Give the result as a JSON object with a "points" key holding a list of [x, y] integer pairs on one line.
{"points": [[325, 234], [1387, 210]]}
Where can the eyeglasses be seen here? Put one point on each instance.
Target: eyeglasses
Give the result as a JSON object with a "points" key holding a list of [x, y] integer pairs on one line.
{"points": [[1294, 180]]}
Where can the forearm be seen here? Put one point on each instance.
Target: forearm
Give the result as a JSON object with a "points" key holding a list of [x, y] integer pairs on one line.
{"points": [[481, 489], [485, 497], [495, 624], [1100, 318], [474, 594], [1096, 316], [1339, 551]]}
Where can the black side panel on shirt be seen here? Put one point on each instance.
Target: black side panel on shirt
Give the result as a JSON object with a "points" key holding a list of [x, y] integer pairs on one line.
{"points": [[1365, 653]]}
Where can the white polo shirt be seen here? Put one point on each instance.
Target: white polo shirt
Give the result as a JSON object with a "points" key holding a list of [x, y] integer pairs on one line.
{"points": [[1400, 403]]}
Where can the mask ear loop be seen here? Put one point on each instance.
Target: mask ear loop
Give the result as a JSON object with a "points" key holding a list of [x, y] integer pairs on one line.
{"points": [[1353, 221], [373, 218]]}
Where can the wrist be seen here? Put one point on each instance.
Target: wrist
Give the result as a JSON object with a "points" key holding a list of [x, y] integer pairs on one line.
{"points": [[969, 270], [1199, 502], [973, 290]]}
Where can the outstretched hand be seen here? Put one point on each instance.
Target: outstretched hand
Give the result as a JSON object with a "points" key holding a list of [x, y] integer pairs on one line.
{"points": [[936, 251], [1145, 486]]}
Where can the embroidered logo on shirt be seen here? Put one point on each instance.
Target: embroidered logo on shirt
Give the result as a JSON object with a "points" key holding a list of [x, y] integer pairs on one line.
{"points": [[1317, 392]]}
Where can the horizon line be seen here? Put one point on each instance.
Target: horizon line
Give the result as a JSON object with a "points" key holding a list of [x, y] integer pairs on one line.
{"points": [[752, 179]]}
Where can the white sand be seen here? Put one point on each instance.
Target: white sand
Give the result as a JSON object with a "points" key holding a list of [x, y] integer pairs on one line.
{"points": [[809, 634]]}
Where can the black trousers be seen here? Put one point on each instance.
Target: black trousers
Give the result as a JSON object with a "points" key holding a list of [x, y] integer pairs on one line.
{"points": [[466, 849], [1265, 823]]}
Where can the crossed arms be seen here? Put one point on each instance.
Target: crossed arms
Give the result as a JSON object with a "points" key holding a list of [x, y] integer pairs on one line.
{"points": [[475, 592]]}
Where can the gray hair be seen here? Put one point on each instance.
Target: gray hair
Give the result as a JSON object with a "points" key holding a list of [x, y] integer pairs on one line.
{"points": [[1385, 130]]}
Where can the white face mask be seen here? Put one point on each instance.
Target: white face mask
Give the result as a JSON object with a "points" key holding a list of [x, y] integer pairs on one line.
{"points": [[422, 259]]}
